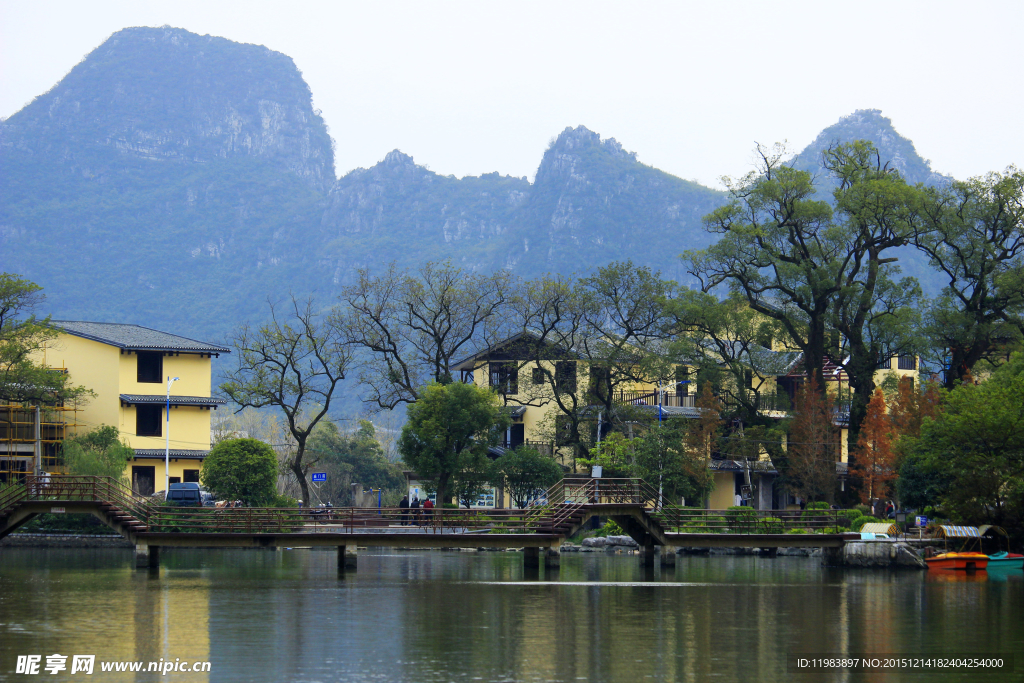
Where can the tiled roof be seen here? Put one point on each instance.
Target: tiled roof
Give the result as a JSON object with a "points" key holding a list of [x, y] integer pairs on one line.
{"points": [[134, 337], [150, 453], [157, 399]]}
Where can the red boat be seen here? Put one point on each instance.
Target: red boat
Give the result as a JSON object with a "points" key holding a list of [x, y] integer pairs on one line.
{"points": [[965, 561]]}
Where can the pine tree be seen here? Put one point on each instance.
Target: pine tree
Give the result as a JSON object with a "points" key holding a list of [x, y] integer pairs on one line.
{"points": [[813, 445], [874, 455]]}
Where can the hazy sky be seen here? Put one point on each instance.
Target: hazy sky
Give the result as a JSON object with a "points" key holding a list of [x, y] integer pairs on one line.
{"points": [[474, 87]]}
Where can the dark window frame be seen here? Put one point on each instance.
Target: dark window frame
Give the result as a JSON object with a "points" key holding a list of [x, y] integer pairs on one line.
{"points": [[538, 376], [565, 376], [148, 420], [149, 367], [504, 378], [906, 363]]}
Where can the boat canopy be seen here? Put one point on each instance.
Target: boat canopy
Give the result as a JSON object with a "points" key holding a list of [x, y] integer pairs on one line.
{"points": [[991, 529], [881, 528], [949, 531]]}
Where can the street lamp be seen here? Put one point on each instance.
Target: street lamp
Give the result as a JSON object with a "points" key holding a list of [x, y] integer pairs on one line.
{"points": [[167, 431]]}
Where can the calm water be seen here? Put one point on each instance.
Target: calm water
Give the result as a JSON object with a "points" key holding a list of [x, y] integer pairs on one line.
{"points": [[441, 616]]}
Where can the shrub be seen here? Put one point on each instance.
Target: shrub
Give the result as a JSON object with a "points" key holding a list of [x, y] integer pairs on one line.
{"points": [[856, 524], [741, 515], [98, 453], [863, 509], [817, 505], [771, 525], [797, 531], [610, 528], [242, 469]]}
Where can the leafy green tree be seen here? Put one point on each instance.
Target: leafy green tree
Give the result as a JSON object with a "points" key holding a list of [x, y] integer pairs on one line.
{"points": [[664, 460], [242, 469], [351, 458], [823, 272], [98, 453], [973, 451], [523, 471], [294, 365], [22, 339], [449, 430], [974, 235]]}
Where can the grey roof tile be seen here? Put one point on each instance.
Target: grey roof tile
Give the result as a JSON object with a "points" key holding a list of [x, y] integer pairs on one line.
{"points": [[151, 453], [135, 337], [158, 399]]}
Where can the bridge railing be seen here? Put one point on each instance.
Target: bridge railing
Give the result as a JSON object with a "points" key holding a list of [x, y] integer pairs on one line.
{"points": [[602, 491], [73, 487], [747, 521], [347, 520]]}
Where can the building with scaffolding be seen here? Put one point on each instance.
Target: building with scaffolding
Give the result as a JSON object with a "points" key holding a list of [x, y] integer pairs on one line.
{"points": [[127, 368], [30, 438]]}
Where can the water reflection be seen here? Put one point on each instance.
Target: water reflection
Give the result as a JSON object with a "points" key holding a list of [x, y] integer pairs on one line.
{"points": [[433, 616]]}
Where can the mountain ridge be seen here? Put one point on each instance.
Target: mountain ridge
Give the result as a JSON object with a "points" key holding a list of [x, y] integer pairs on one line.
{"points": [[178, 181]]}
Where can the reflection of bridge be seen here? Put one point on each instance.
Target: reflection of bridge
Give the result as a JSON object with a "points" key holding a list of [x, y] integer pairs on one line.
{"points": [[631, 503]]}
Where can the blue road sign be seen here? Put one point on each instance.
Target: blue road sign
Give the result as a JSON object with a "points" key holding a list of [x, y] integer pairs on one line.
{"points": [[319, 476]]}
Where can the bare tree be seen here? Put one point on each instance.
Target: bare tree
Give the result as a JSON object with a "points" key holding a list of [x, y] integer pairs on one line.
{"points": [[413, 326], [294, 364]]}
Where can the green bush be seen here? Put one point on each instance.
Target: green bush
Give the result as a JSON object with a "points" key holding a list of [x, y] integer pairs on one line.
{"points": [[856, 524], [740, 515], [771, 525], [849, 514], [796, 531], [863, 509], [610, 528], [817, 505], [99, 453], [242, 469]]}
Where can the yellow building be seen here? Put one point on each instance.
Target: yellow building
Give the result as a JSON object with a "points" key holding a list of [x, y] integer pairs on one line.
{"points": [[128, 368], [513, 370]]}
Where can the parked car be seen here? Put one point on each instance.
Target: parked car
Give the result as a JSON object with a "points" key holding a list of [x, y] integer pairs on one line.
{"points": [[186, 494]]}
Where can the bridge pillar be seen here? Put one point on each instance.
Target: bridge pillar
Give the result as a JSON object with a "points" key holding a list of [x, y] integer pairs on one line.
{"points": [[647, 555], [668, 556], [531, 557], [347, 557], [552, 558], [146, 555]]}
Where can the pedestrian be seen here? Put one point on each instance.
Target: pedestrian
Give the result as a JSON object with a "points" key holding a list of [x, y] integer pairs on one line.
{"points": [[403, 510], [416, 510], [428, 510]]}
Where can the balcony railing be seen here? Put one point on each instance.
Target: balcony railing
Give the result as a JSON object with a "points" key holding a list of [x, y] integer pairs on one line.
{"points": [[646, 397], [542, 447]]}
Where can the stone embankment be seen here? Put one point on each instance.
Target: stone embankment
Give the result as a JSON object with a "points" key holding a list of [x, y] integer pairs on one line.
{"points": [[65, 541], [886, 554]]}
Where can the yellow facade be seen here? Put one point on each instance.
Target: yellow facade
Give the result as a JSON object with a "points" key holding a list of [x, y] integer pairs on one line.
{"points": [[124, 398]]}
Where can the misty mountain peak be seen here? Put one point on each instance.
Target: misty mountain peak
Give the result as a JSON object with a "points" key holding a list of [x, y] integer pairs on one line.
{"points": [[872, 125], [168, 95]]}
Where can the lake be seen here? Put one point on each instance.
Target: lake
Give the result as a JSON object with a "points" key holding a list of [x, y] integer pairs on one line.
{"points": [[456, 616]]}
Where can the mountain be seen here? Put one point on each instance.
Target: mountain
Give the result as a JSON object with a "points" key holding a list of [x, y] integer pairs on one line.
{"points": [[869, 124], [591, 202], [166, 180], [178, 181]]}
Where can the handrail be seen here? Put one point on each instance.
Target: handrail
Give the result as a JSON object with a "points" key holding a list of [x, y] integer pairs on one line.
{"points": [[566, 499]]}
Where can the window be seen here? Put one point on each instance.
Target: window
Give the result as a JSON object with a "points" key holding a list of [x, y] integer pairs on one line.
{"points": [[505, 378], [565, 376], [191, 476], [180, 494], [907, 363], [147, 420], [538, 376], [151, 366], [748, 379]]}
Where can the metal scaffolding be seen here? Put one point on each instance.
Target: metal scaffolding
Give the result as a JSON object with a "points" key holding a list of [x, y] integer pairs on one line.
{"points": [[30, 437]]}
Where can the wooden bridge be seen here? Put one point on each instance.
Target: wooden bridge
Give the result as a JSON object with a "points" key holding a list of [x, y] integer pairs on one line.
{"points": [[540, 529]]}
